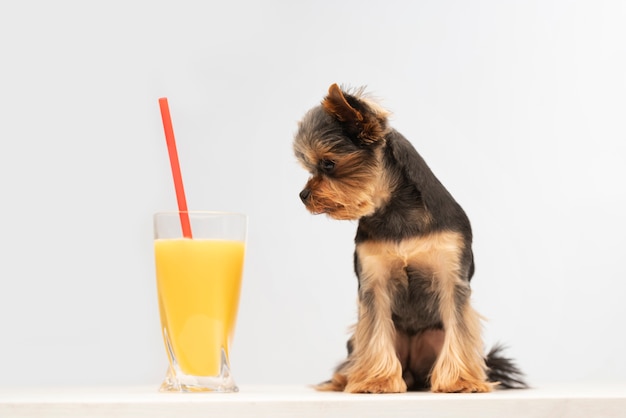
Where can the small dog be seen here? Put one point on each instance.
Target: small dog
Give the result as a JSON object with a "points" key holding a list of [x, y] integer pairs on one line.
{"points": [[416, 328]]}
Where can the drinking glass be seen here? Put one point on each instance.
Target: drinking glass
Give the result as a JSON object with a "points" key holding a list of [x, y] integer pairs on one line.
{"points": [[198, 284]]}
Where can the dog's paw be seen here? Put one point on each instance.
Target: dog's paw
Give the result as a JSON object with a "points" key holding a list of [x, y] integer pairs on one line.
{"points": [[462, 386], [389, 384]]}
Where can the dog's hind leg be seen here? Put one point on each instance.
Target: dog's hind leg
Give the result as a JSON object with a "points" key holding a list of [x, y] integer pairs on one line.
{"points": [[418, 354], [339, 380]]}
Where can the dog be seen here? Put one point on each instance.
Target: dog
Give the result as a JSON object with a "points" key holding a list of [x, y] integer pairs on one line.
{"points": [[416, 328]]}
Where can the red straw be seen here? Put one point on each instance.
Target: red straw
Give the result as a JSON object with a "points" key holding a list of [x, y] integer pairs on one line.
{"points": [[178, 178]]}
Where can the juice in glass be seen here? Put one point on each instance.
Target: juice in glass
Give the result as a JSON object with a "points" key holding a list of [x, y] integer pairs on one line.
{"points": [[198, 283]]}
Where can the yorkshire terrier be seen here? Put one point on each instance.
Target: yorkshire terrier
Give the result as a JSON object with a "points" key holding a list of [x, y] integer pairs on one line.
{"points": [[416, 328]]}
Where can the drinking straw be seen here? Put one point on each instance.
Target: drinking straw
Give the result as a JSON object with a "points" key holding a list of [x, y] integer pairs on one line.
{"points": [[178, 178]]}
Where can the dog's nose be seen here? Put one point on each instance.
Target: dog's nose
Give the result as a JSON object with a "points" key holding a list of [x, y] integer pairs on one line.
{"points": [[304, 194]]}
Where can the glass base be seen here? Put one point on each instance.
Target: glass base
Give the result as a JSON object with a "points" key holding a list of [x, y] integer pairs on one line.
{"points": [[177, 381]]}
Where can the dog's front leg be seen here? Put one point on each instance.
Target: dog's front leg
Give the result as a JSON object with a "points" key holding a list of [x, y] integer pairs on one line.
{"points": [[373, 366], [460, 366]]}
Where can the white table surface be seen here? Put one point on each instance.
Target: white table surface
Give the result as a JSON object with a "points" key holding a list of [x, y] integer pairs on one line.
{"points": [[566, 400]]}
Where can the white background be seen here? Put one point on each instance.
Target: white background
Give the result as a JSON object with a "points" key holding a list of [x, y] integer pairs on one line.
{"points": [[518, 107]]}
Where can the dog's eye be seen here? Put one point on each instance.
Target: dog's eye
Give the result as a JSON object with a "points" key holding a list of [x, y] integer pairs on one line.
{"points": [[327, 165]]}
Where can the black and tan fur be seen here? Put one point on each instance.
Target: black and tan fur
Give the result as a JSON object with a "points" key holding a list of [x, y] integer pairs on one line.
{"points": [[416, 327]]}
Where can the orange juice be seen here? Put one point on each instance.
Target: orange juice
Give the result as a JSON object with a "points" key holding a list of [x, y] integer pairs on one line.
{"points": [[198, 282]]}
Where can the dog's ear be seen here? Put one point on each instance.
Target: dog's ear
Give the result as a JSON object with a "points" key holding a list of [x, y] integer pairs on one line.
{"points": [[361, 121], [337, 105]]}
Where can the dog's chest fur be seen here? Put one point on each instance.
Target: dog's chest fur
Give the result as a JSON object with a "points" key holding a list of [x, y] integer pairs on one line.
{"points": [[413, 272]]}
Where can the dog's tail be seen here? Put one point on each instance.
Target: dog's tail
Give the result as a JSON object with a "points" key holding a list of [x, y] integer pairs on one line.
{"points": [[503, 370]]}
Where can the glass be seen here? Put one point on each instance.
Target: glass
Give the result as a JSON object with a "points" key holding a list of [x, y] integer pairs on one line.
{"points": [[198, 285]]}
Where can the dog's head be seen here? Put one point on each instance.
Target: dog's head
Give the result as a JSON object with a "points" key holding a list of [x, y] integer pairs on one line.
{"points": [[340, 143]]}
